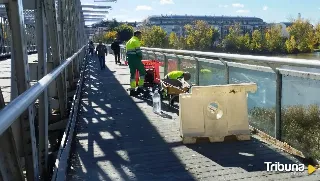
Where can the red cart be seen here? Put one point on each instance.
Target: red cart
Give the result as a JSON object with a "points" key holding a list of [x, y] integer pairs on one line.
{"points": [[152, 72], [152, 77]]}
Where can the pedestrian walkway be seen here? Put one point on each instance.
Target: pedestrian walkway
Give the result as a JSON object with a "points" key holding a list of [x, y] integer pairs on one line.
{"points": [[5, 75], [120, 138]]}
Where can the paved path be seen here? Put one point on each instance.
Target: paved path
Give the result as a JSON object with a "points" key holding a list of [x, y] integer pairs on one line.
{"points": [[120, 138], [5, 75]]}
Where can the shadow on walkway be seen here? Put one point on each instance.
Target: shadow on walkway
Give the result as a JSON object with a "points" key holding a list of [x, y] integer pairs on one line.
{"points": [[120, 138], [115, 139]]}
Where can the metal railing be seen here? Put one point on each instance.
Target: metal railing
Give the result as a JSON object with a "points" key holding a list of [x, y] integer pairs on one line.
{"points": [[280, 81], [61, 163], [31, 124], [10, 113], [16, 107]]}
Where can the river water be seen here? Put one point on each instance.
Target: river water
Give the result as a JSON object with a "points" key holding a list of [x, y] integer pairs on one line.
{"points": [[295, 90], [314, 56]]}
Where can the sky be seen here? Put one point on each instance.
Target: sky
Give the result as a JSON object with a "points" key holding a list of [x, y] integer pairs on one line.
{"points": [[270, 11]]}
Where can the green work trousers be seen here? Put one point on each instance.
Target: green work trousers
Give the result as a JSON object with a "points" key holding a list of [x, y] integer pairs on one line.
{"points": [[135, 63]]}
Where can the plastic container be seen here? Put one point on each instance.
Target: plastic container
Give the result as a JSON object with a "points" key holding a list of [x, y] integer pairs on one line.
{"points": [[156, 102]]}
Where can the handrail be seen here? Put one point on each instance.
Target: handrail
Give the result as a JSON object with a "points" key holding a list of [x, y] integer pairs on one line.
{"points": [[249, 62], [61, 162], [16, 107], [261, 59]]}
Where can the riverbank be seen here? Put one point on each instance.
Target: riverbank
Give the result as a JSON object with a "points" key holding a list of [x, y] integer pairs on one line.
{"points": [[315, 55]]}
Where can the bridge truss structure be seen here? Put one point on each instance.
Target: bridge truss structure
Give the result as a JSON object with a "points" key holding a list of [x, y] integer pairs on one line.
{"points": [[37, 124]]}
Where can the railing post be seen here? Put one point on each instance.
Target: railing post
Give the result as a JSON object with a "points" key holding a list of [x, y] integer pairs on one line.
{"points": [[16, 20], [155, 55], [121, 53], [278, 121], [197, 70], [227, 73], [178, 62], [43, 98], [165, 64]]}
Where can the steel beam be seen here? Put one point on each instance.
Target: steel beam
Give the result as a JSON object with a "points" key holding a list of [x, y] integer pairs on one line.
{"points": [[94, 15], [93, 6], [93, 19], [50, 12], [105, 0], [76, 37], [71, 40], [95, 11], [43, 98], [10, 168], [21, 74]]}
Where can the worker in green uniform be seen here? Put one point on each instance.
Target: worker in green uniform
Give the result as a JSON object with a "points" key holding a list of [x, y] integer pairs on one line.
{"points": [[174, 78], [134, 58], [178, 75]]}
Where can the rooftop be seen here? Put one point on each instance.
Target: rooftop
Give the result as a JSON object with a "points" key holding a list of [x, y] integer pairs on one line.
{"points": [[202, 17]]}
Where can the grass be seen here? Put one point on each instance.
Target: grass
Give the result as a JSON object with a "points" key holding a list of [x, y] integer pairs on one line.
{"points": [[300, 126]]}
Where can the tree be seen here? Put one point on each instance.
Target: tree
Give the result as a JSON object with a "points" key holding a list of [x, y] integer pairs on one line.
{"points": [[199, 35], [274, 40], [291, 45], [301, 36], [231, 41], [257, 42], [181, 43], [113, 25], [317, 35], [215, 35], [97, 38], [125, 32], [177, 42], [173, 40], [244, 43], [110, 36], [154, 37]]}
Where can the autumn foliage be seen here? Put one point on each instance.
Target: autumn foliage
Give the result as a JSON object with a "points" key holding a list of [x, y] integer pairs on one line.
{"points": [[303, 37]]}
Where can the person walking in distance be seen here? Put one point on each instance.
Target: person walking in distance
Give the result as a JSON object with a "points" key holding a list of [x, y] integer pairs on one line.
{"points": [[91, 48], [116, 50], [134, 58], [102, 53]]}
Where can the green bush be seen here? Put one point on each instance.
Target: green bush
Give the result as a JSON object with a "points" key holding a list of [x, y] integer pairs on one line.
{"points": [[300, 126]]}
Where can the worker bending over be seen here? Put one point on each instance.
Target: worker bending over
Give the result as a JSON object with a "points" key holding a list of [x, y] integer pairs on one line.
{"points": [[178, 75], [134, 58], [176, 79]]}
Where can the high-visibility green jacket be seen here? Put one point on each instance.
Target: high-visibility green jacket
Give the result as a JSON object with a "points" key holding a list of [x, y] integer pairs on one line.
{"points": [[175, 74], [205, 71], [133, 48]]}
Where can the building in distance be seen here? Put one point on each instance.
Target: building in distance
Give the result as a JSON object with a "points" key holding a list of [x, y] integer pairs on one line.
{"points": [[176, 23]]}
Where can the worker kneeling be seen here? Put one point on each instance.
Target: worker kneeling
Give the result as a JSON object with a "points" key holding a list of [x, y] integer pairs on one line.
{"points": [[134, 58], [176, 79]]}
